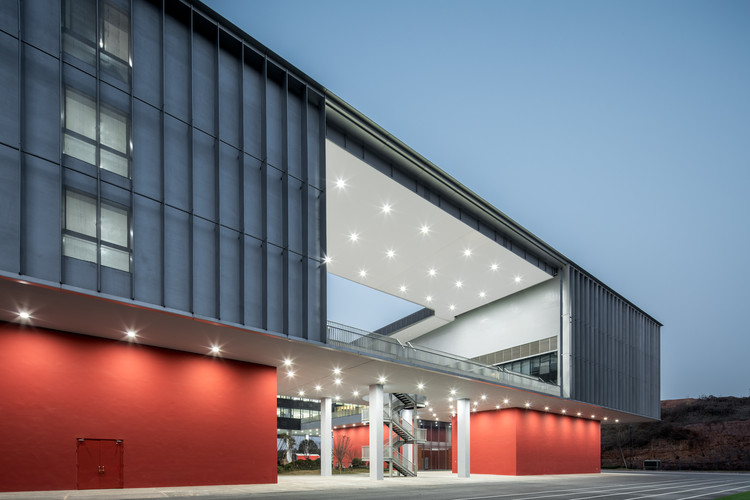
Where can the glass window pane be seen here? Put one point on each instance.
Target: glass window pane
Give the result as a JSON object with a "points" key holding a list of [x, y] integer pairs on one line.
{"points": [[79, 249], [114, 225], [80, 214], [114, 129], [118, 259], [79, 33], [80, 114], [80, 49], [77, 148], [114, 162], [115, 32]]}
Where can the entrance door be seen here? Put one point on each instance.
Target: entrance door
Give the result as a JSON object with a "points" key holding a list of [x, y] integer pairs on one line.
{"points": [[99, 463]]}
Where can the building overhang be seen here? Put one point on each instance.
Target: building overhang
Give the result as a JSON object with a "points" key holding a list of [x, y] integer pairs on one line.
{"points": [[385, 236], [66, 309]]}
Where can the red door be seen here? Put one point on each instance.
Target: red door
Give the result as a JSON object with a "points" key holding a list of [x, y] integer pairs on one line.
{"points": [[99, 463]]}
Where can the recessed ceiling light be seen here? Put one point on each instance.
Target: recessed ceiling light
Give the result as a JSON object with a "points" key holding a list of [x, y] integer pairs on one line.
{"points": [[453, 392], [425, 229], [337, 381], [337, 371], [605, 418], [459, 284], [546, 408], [363, 273], [390, 253], [432, 272], [353, 237], [420, 386], [24, 315], [290, 374], [482, 295], [494, 267], [527, 405], [564, 411], [428, 298], [327, 259], [338, 398], [484, 396], [517, 279], [617, 420], [381, 379], [579, 413], [287, 362], [402, 288], [593, 416], [386, 208], [475, 403], [467, 252], [340, 183], [130, 334], [497, 407], [427, 403], [215, 349], [505, 401], [301, 392], [318, 387], [356, 393], [452, 307]]}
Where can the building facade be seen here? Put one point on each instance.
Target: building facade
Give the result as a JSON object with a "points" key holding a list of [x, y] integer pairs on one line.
{"points": [[174, 195]]}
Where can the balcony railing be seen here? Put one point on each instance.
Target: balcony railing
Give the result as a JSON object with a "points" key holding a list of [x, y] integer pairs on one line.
{"points": [[380, 346]]}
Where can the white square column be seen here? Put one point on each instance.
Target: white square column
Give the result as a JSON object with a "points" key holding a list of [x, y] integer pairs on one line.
{"points": [[376, 432], [463, 416], [408, 416], [326, 437]]}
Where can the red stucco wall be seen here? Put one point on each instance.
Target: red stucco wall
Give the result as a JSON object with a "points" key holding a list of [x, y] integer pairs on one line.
{"points": [[359, 436], [184, 419], [526, 442]]}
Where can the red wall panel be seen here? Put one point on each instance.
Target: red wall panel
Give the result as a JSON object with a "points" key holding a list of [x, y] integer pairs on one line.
{"points": [[493, 442], [184, 419], [526, 442], [556, 444], [359, 436]]}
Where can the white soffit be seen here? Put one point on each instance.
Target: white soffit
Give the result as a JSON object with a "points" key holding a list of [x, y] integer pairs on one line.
{"points": [[468, 268]]}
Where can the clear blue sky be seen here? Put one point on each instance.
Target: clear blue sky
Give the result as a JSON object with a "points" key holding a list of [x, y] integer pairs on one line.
{"points": [[618, 132]]}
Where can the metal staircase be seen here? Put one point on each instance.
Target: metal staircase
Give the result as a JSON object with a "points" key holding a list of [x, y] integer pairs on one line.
{"points": [[404, 432]]}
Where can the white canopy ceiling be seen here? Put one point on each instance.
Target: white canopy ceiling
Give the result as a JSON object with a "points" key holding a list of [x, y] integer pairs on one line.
{"points": [[387, 237]]}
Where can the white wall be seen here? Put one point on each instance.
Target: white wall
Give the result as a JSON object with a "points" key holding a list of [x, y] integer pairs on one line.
{"points": [[520, 318]]}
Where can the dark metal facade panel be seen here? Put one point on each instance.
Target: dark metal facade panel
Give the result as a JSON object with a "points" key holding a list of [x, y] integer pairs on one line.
{"points": [[225, 165], [615, 350]]}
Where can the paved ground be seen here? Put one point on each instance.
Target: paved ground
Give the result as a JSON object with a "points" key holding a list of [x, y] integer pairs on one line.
{"points": [[445, 486]]}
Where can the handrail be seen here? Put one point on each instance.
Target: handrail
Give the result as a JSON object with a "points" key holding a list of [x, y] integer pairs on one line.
{"points": [[390, 454], [417, 435], [361, 341]]}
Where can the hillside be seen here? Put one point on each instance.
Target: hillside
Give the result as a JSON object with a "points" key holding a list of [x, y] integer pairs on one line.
{"points": [[709, 433]]}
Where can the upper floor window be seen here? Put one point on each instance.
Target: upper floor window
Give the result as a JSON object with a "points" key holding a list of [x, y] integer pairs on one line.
{"points": [[82, 33], [80, 133], [96, 235]]}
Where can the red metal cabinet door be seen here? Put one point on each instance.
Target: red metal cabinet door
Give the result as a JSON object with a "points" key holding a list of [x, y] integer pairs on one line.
{"points": [[99, 464]]}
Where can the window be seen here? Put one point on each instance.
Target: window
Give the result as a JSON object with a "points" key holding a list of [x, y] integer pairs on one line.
{"points": [[79, 140], [114, 43], [80, 239], [80, 37], [543, 367], [79, 29]]}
